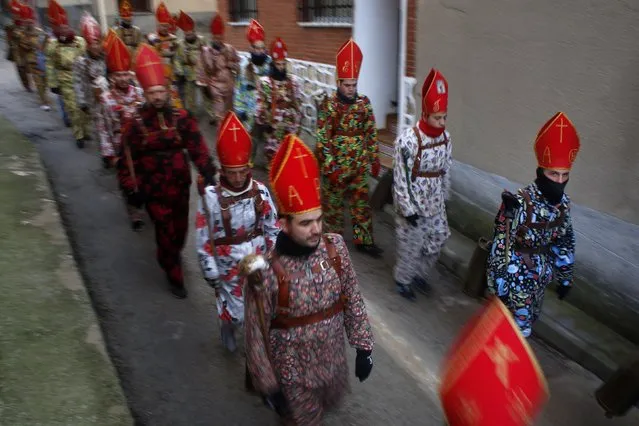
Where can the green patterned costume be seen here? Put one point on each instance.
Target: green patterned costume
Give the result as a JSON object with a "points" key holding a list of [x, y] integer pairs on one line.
{"points": [[60, 59], [185, 63], [346, 148]]}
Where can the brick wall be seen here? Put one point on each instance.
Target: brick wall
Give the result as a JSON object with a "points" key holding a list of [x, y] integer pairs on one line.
{"points": [[279, 19], [411, 44]]}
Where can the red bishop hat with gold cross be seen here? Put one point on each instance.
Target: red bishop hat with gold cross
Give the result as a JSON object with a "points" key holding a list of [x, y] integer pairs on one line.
{"points": [[255, 32], [279, 51], [233, 142], [148, 67], [295, 178], [557, 144], [27, 14], [56, 14], [118, 57], [162, 14], [349, 61], [435, 93], [185, 22], [126, 10], [491, 375], [90, 28], [217, 25], [15, 7]]}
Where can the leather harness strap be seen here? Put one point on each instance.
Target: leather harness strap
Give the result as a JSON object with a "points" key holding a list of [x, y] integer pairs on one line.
{"points": [[416, 172], [225, 207], [282, 318]]}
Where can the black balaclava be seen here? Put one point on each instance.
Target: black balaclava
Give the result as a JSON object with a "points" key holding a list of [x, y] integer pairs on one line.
{"points": [[277, 74], [285, 245], [552, 191], [258, 58]]}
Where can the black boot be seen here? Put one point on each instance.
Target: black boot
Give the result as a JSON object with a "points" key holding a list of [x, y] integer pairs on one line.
{"points": [[422, 285], [80, 143], [179, 291], [405, 291], [227, 334], [106, 162], [370, 249]]}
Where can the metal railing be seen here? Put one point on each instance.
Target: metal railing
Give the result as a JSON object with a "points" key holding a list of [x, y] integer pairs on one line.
{"points": [[325, 11], [242, 10]]}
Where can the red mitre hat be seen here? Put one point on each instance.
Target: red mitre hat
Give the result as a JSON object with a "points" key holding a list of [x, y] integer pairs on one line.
{"points": [[185, 22], [126, 10], [348, 60], [233, 142], [255, 32], [557, 144], [162, 14], [217, 25], [16, 9], [56, 14], [435, 93], [295, 178], [90, 28], [148, 67], [118, 57], [490, 375], [26, 13], [279, 51]]}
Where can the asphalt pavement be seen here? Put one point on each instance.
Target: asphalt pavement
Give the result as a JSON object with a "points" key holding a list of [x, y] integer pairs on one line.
{"points": [[170, 362]]}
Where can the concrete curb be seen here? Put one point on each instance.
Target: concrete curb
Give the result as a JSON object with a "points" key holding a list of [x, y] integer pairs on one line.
{"points": [[561, 325]]}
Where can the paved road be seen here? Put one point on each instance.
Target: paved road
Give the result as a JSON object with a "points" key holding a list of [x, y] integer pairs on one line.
{"points": [[167, 352]]}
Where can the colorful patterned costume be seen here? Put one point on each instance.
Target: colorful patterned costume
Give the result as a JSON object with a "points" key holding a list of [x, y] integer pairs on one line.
{"points": [[29, 40], [346, 149], [130, 34], [89, 74], [539, 243], [60, 59], [116, 107], [188, 54], [13, 31], [244, 221], [166, 46], [245, 97], [157, 140], [307, 301], [421, 185], [278, 103], [216, 72]]}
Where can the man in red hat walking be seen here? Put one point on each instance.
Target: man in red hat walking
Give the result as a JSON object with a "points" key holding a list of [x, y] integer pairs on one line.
{"points": [[421, 186], [279, 101], [348, 152], [154, 170], [245, 96], [188, 53], [89, 70], [13, 31], [534, 242], [235, 218], [301, 299], [129, 33], [166, 45], [218, 66]]}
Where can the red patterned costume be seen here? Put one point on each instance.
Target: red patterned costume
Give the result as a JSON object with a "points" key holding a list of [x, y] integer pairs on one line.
{"points": [[157, 172], [307, 297]]}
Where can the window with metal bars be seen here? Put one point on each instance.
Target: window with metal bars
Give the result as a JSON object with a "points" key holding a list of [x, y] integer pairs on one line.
{"points": [[138, 5], [243, 10], [325, 11]]}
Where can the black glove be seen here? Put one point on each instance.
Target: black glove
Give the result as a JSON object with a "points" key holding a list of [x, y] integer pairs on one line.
{"points": [[55, 90], [511, 204], [84, 108], [363, 364], [267, 128], [181, 80], [412, 219], [207, 92], [563, 290], [242, 116], [277, 402], [135, 199]]}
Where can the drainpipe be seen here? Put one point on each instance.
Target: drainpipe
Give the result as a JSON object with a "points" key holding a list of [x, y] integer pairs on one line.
{"points": [[403, 28], [102, 16]]}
